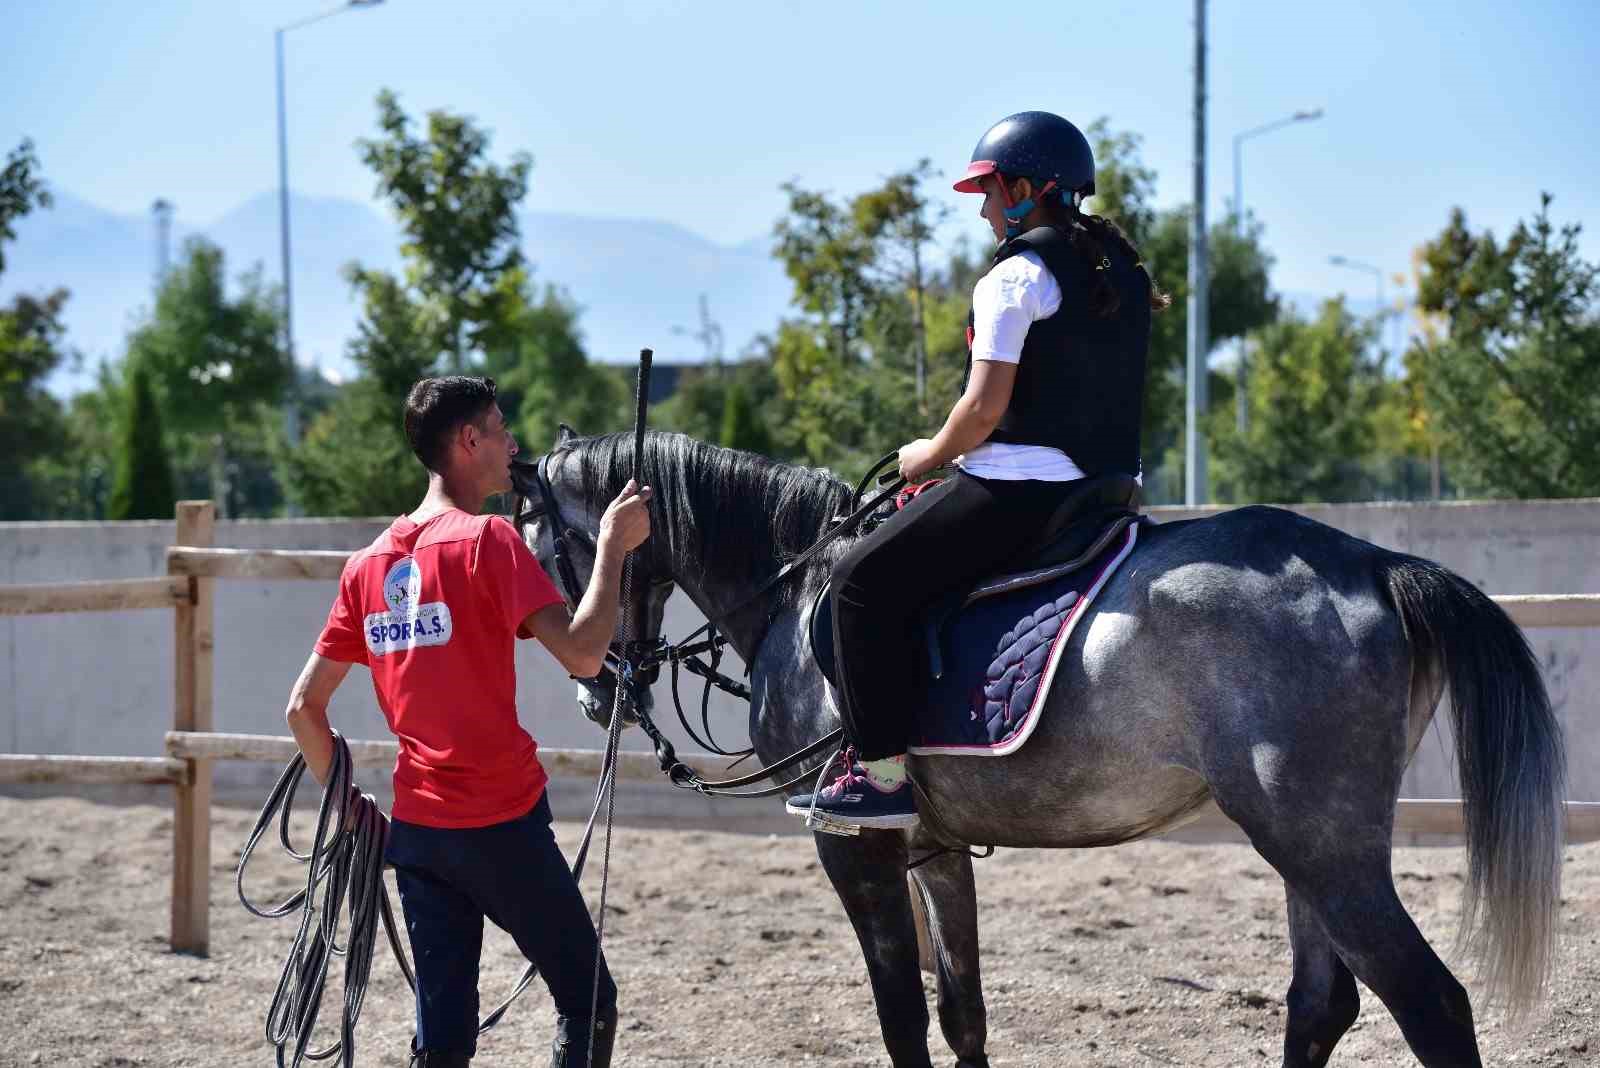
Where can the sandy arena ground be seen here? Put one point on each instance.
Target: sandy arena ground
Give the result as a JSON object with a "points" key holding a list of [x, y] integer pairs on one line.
{"points": [[732, 950]]}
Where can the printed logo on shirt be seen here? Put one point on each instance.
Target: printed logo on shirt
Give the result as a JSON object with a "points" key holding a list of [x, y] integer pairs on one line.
{"points": [[408, 623]]}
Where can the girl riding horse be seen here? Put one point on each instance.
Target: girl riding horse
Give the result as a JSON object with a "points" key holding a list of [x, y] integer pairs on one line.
{"points": [[1057, 343]]}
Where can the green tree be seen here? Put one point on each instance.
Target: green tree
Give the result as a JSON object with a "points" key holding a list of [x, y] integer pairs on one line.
{"points": [[32, 428], [218, 369], [464, 293], [829, 259], [860, 372], [458, 213], [21, 191], [354, 458], [900, 220], [143, 485], [1311, 394], [543, 375], [1513, 385]]}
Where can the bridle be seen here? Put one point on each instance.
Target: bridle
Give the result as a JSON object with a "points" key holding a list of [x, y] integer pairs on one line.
{"points": [[640, 660], [642, 657]]}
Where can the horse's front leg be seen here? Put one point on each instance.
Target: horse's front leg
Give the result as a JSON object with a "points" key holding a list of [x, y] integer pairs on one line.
{"points": [[869, 874], [950, 901]]}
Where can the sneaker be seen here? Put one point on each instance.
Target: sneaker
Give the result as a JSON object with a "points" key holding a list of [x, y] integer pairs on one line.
{"points": [[854, 800]]}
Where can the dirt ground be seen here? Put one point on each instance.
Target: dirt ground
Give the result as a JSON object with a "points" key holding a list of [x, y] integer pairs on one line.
{"points": [[731, 950]]}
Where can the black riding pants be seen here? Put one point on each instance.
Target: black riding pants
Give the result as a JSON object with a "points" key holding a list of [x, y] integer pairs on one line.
{"points": [[958, 532]]}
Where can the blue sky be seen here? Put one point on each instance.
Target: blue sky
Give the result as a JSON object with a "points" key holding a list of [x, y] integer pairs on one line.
{"points": [[695, 112]]}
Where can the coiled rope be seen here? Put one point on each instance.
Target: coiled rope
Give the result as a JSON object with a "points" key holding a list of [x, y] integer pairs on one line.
{"points": [[344, 876]]}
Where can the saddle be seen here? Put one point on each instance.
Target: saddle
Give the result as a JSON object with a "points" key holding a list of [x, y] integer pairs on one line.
{"points": [[1093, 516]]}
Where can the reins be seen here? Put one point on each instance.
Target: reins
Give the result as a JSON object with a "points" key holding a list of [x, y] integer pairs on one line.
{"points": [[639, 658]]}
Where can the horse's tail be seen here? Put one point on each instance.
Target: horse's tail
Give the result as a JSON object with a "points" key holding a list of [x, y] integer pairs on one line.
{"points": [[1512, 765]]}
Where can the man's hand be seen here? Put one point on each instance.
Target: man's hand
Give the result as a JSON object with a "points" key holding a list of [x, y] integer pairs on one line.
{"points": [[579, 640], [626, 522]]}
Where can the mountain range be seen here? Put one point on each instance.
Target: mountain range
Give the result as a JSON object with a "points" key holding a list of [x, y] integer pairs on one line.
{"points": [[637, 281]]}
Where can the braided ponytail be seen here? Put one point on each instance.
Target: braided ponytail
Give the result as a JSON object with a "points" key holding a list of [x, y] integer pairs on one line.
{"points": [[1100, 231], [1091, 234]]}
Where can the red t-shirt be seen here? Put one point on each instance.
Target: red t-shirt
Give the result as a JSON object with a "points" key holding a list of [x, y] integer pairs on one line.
{"points": [[433, 611]]}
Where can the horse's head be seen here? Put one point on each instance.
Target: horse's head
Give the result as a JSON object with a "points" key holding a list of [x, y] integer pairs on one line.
{"points": [[556, 515]]}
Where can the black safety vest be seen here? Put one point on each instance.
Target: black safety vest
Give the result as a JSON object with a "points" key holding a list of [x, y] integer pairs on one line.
{"points": [[1080, 383]]}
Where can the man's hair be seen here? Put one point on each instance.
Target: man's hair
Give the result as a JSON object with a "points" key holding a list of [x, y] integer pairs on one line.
{"points": [[437, 407]]}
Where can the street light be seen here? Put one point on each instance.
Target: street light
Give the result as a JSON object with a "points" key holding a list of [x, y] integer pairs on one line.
{"points": [[291, 417], [1241, 405], [1377, 273]]}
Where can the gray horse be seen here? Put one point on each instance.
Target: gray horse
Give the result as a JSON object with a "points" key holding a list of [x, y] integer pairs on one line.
{"points": [[1258, 659]]}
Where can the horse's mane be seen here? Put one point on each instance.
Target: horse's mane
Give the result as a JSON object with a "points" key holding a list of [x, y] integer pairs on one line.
{"points": [[736, 514]]}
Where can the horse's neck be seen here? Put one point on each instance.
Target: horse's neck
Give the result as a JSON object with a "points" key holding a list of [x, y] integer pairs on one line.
{"points": [[747, 624]]}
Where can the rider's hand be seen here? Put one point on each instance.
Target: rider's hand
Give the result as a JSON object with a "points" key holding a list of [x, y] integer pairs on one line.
{"points": [[626, 523], [917, 459]]}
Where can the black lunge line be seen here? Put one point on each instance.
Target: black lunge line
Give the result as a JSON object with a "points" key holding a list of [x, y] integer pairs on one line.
{"points": [[624, 693]]}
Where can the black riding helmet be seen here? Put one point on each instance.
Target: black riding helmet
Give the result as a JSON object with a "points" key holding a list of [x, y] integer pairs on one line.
{"points": [[1037, 145]]}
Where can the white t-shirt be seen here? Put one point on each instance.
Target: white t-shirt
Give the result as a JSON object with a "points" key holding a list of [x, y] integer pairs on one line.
{"points": [[1015, 294]]}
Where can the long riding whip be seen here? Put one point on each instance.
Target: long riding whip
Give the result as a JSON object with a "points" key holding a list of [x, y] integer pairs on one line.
{"points": [[624, 694]]}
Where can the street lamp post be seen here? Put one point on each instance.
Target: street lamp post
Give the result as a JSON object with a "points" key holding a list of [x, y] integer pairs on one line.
{"points": [[1242, 406], [1194, 407], [1377, 273], [291, 416]]}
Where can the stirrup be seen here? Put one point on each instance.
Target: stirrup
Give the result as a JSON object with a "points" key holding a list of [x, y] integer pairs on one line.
{"points": [[821, 821], [826, 824]]}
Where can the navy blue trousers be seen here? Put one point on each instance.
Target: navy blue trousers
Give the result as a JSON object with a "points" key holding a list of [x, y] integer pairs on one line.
{"points": [[513, 873]]}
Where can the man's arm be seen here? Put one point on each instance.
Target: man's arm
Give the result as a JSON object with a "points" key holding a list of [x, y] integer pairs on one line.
{"points": [[307, 713], [579, 639]]}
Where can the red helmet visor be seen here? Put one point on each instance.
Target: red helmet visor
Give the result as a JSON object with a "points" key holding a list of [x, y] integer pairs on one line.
{"points": [[976, 169]]}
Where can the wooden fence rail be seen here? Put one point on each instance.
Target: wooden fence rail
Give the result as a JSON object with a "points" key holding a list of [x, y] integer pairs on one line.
{"points": [[90, 770], [194, 565], [1414, 816], [1526, 610], [111, 595]]}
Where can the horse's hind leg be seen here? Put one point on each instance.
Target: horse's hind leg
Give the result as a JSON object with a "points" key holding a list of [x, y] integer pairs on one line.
{"points": [[1323, 1001], [869, 875], [1378, 941], [1351, 892], [951, 903]]}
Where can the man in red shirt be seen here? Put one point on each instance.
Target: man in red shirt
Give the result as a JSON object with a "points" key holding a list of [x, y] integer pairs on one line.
{"points": [[432, 607]]}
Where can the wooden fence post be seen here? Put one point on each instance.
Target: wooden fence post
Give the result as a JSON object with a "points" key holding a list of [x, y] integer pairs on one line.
{"points": [[193, 640]]}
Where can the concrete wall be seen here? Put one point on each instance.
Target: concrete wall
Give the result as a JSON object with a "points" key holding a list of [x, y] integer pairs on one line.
{"points": [[102, 683]]}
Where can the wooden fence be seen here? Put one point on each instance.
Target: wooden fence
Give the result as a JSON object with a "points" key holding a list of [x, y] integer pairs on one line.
{"points": [[194, 565]]}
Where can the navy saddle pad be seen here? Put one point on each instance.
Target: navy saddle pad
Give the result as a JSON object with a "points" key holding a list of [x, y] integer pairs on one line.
{"points": [[992, 651]]}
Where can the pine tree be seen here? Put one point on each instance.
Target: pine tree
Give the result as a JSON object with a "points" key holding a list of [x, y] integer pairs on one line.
{"points": [[143, 486]]}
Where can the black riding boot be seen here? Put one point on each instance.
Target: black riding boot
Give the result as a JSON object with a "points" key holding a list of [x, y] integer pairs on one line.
{"points": [[571, 1047], [433, 1058]]}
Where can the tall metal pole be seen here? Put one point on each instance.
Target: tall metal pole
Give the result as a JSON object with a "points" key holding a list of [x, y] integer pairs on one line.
{"points": [[291, 400], [1194, 471], [1381, 313], [1241, 413], [1241, 383]]}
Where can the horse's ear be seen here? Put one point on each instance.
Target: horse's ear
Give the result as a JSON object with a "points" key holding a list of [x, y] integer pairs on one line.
{"points": [[565, 434]]}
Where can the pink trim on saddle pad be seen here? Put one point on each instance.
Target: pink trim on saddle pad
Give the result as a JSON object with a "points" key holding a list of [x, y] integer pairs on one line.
{"points": [[1014, 740]]}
